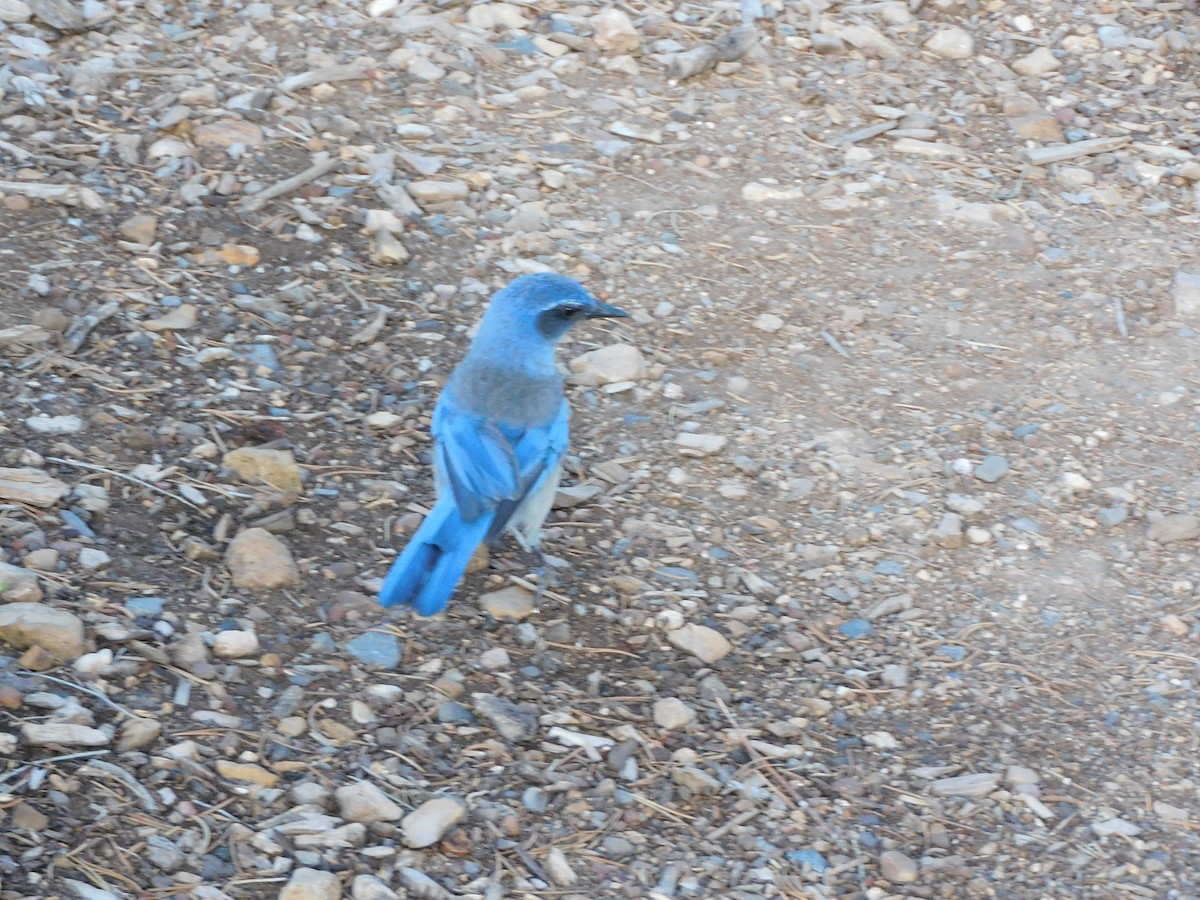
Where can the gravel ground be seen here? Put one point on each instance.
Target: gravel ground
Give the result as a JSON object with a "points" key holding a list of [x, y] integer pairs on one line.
{"points": [[881, 520]]}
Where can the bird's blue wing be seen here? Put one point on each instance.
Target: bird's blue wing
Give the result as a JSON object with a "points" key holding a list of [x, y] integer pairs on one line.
{"points": [[475, 461], [538, 452]]}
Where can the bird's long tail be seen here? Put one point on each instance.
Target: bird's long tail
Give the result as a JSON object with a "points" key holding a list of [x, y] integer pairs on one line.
{"points": [[426, 572]]}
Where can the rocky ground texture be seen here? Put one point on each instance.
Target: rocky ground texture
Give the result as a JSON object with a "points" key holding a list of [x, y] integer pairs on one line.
{"points": [[882, 517]]}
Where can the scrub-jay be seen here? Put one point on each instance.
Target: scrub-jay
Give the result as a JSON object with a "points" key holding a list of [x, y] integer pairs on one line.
{"points": [[500, 432]]}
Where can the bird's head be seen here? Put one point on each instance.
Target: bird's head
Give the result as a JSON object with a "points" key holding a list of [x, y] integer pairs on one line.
{"points": [[547, 304]]}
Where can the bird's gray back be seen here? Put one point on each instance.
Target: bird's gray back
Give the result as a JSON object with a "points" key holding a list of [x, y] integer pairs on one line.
{"points": [[505, 394]]}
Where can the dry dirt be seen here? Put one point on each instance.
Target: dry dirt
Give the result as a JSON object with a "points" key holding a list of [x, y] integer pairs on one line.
{"points": [[863, 344]]}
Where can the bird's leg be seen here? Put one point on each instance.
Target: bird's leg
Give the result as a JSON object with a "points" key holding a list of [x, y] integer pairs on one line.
{"points": [[545, 573]]}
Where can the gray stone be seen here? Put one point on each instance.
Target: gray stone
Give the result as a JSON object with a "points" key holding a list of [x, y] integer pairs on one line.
{"points": [[1113, 515], [979, 784], [1169, 529], [514, 722], [375, 648], [992, 469]]}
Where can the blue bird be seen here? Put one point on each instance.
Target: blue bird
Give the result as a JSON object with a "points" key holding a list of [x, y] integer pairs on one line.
{"points": [[500, 432]]}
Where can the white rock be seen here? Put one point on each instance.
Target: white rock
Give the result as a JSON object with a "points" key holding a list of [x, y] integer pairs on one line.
{"points": [[979, 536], [41, 734], [429, 191], [672, 714], [15, 12], [1040, 62], [881, 740], [964, 505], [1015, 775], [1074, 178], [701, 641], [951, 43], [1169, 529], [692, 444], [491, 15], [898, 868], [608, 365], [1074, 482], [424, 69], [1115, 825], [613, 32], [168, 148], [870, 40], [420, 886], [979, 784], [91, 666], [495, 659], [55, 424], [384, 419], [92, 560], [895, 675], [429, 822], [311, 884], [769, 323], [371, 887], [1186, 293], [363, 802], [753, 192], [377, 8], [234, 644], [559, 869]]}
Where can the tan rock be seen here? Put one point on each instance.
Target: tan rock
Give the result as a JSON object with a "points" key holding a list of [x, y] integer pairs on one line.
{"points": [[140, 229], [608, 365], [57, 631], [32, 486], [236, 771], [224, 134], [510, 603], [260, 466], [257, 560], [706, 644], [138, 733], [181, 318]]}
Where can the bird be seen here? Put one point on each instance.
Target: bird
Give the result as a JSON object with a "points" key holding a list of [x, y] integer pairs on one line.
{"points": [[500, 431]]}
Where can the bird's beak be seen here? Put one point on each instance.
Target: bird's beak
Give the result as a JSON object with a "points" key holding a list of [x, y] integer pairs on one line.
{"points": [[601, 310]]}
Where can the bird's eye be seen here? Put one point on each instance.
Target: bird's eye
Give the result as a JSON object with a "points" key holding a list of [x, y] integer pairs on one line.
{"points": [[570, 312]]}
